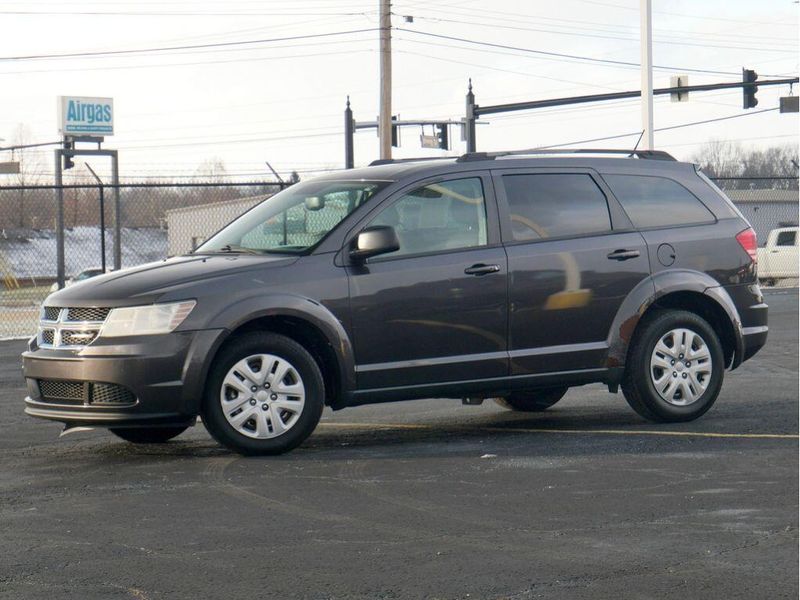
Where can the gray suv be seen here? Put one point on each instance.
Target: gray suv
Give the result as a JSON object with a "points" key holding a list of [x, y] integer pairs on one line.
{"points": [[511, 275]]}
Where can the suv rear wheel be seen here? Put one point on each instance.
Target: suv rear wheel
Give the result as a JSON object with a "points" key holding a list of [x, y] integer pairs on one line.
{"points": [[532, 400], [265, 395], [675, 367]]}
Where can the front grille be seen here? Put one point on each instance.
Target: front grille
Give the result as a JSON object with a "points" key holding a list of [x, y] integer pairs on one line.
{"points": [[87, 314], [52, 389], [77, 338], [51, 313], [79, 392], [72, 327]]}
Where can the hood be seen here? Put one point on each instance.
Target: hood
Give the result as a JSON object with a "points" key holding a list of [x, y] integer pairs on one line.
{"points": [[175, 278]]}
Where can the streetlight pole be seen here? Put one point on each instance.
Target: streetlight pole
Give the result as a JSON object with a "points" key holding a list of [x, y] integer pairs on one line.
{"points": [[646, 15], [385, 113]]}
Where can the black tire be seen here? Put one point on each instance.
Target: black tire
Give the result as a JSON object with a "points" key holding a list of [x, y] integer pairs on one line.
{"points": [[147, 435], [279, 346], [532, 400], [637, 383]]}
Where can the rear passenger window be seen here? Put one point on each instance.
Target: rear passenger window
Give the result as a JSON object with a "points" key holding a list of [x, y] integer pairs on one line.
{"points": [[555, 205], [657, 201]]}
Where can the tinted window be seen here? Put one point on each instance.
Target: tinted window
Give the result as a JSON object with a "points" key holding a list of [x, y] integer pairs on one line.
{"points": [[785, 238], [438, 216], [657, 201], [554, 205]]}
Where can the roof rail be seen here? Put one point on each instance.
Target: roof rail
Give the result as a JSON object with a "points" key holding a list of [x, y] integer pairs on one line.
{"points": [[391, 161], [646, 154]]}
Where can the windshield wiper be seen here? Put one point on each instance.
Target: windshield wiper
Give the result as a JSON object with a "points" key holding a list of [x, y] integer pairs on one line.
{"points": [[232, 249]]}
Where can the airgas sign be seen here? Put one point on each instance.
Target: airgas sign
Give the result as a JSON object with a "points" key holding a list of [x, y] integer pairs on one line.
{"points": [[78, 115]]}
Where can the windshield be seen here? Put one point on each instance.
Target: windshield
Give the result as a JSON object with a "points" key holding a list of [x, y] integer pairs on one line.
{"points": [[293, 220]]}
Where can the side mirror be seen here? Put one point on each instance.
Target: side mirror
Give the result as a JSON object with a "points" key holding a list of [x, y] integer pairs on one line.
{"points": [[372, 241]]}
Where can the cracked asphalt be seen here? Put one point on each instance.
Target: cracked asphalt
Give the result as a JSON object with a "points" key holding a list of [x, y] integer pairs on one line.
{"points": [[424, 499]]}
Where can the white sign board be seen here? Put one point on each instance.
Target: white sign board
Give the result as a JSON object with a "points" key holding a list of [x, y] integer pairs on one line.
{"points": [[78, 115], [429, 141]]}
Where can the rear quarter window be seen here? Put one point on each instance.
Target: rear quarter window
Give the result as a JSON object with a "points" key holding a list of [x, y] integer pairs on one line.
{"points": [[657, 201]]}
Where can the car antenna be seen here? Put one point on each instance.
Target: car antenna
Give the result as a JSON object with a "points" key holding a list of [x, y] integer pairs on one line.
{"points": [[641, 135]]}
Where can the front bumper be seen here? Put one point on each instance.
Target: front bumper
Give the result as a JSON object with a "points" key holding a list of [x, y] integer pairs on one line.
{"points": [[160, 379]]}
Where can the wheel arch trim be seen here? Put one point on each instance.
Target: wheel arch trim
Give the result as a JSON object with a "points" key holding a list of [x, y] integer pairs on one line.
{"points": [[656, 287], [236, 316]]}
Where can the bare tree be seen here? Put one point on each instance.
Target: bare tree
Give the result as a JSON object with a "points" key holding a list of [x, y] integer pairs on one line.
{"points": [[30, 169], [726, 159]]}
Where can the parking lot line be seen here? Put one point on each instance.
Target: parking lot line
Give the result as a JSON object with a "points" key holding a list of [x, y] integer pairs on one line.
{"points": [[705, 434]]}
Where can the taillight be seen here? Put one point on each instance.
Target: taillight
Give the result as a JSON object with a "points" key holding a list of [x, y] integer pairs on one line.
{"points": [[747, 240]]}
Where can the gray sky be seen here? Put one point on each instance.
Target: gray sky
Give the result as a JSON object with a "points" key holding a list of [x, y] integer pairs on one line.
{"points": [[282, 101]]}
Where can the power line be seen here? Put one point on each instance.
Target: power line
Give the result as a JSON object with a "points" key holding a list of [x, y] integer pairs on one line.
{"points": [[621, 63], [607, 37], [516, 18], [176, 14], [682, 125], [185, 47]]}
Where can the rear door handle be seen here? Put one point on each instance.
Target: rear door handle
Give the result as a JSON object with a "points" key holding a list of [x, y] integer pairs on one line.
{"points": [[481, 269], [623, 254]]}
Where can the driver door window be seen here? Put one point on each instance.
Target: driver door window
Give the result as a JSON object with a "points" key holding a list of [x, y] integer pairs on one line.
{"points": [[437, 217]]}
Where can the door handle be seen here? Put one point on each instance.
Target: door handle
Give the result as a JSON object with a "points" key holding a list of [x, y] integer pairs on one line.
{"points": [[623, 254], [481, 269]]}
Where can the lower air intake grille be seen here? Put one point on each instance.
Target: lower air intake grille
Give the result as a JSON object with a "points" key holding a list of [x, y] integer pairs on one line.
{"points": [[76, 392], [110, 393], [52, 390]]}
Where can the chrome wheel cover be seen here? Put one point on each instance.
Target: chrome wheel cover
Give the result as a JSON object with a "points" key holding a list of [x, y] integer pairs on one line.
{"points": [[262, 396], [680, 366]]}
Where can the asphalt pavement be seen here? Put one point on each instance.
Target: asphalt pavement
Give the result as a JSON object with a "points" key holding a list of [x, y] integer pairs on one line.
{"points": [[423, 499]]}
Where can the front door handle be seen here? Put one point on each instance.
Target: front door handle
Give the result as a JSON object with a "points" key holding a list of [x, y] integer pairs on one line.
{"points": [[481, 269], [623, 254]]}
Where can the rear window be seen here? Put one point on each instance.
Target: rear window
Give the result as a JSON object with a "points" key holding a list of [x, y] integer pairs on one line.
{"points": [[657, 201], [555, 205]]}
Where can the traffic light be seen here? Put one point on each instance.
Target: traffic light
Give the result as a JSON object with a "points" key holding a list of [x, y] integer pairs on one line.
{"points": [[395, 137], [441, 130], [749, 88], [68, 162]]}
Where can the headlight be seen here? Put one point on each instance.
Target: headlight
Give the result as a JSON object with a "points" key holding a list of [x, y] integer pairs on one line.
{"points": [[146, 320]]}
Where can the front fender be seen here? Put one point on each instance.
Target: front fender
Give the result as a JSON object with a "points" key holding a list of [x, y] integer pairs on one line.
{"points": [[234, 315], [649, 290]]}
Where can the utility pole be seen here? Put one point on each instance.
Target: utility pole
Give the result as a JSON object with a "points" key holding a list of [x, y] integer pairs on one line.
{"points": [[385, 113], [646, 10]]}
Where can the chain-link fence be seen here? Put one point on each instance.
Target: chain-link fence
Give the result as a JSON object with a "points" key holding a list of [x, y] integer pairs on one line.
{"points": [[155, 221], [159, 220]]}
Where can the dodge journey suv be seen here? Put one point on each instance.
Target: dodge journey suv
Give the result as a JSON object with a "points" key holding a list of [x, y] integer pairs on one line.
{"points": [[510, 275]]}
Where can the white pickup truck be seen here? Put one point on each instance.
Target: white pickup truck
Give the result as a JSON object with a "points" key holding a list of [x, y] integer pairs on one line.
{"points": [[778, 259]]}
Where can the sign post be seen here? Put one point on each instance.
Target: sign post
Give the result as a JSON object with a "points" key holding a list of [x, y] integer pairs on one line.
{"points": [[86, 119]]}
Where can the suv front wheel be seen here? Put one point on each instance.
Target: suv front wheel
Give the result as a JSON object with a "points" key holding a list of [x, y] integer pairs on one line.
{"points": [[265, 394], [675, 367]]}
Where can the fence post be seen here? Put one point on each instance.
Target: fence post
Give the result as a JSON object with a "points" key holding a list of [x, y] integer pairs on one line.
{"points": [[59, 221], [117, 211]]}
